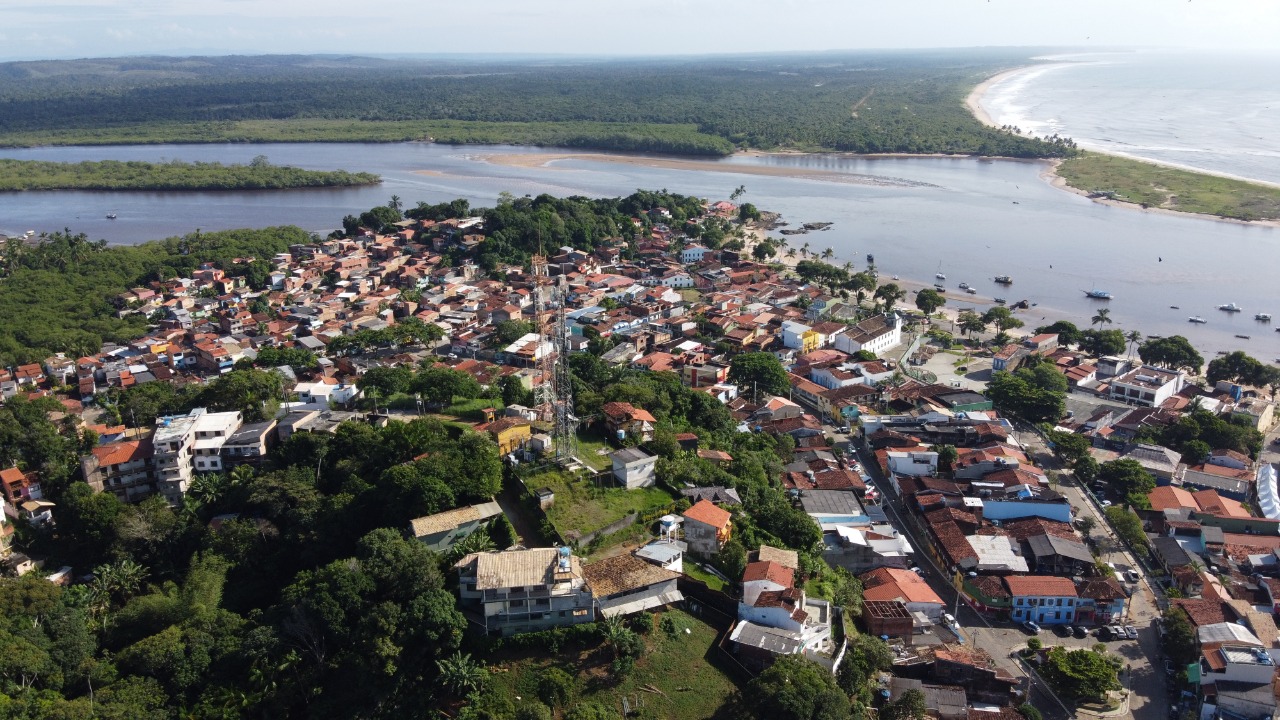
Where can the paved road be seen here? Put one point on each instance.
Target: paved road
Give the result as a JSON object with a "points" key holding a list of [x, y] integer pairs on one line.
{"points": [[1149, 701], [995, 637]]}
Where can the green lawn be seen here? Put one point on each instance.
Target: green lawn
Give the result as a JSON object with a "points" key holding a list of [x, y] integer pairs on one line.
{"points": [[473, 409], [690, 684], [1170, 188], [692, 570], [690, 295], [589, 446], [581, 507]]}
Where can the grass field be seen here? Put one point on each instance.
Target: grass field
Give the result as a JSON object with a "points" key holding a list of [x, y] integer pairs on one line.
{"points": [[1157, 186], [692, 570], [581, 507], [690, 683], [589, 446]]}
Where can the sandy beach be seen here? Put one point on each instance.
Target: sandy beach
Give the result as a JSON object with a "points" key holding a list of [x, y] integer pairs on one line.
{"points": [[974, 100], [545, 160]]}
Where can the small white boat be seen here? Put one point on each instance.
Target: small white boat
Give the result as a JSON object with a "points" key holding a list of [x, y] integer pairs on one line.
{"points": [[895, 277], [1197, 320], [1263, 317], [1230, 307], [940, 276], [964, 286], [1004, 280], [1098, 294], [971, 291]]}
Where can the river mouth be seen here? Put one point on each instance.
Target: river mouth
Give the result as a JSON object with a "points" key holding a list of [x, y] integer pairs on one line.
{"points": [[971, 219]]}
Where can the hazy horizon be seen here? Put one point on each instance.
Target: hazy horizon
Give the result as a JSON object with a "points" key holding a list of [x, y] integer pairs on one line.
{"points": [[62, 29]]}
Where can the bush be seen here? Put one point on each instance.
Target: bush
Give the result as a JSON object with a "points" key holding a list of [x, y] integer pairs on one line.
{"points": [[1028, 711], [555, 687], [533, 711], [590, 711], [1034, 644]]}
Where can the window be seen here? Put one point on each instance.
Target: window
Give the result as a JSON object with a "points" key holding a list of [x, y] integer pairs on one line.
{"points": [[579, 613]]}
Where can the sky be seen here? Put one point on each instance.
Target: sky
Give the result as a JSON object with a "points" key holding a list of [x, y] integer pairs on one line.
{"points": [[39, 29]]}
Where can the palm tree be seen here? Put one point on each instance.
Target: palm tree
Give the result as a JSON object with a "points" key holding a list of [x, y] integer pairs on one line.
{"points": [[848, 266], [615, 633], [1102, 317], [461, 675], [1134, 337], [804, 250], [791, 252], [828, 254], [395, 203]]}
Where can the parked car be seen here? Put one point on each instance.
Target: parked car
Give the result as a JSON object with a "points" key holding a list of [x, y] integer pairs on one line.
{"points": [[1131, 632], [948, 619], [1117, 632], [844, 429], [1081, 631], [1031, 627], [1105, 503], [1062, 630], [1103, 633], [1132, 576]]}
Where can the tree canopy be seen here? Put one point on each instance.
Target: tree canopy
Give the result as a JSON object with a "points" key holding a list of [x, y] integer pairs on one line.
{"points": [[759, 372], [1174, 352]]}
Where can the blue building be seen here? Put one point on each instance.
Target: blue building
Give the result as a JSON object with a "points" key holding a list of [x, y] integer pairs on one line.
{"points": [[1042, 599]]}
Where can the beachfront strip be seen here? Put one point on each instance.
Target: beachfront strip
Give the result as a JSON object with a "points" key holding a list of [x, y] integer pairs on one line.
{"points": [[920, 489]]}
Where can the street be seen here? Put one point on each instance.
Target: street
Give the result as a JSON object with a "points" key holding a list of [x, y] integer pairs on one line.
{"points": [[1002, 639]]}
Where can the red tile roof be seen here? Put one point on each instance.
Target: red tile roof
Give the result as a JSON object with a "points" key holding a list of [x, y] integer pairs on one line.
{"points": [[122, 452], [1040, 586], [706, 512], [771, 571], [896, 584]]}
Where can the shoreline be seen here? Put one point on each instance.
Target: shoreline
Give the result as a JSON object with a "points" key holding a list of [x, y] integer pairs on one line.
{"points": [[973, 102]]}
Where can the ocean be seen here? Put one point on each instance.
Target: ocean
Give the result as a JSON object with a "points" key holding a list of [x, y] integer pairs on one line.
{"points": [[1212, 112]]}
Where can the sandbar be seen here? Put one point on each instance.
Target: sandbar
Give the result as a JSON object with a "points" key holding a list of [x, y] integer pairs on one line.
{"points": [[540, 159]]}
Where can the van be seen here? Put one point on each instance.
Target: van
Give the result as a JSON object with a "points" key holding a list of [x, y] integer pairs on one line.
{"points": [[1115, 571]]}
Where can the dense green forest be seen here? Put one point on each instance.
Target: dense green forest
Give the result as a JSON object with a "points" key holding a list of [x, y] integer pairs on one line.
{"points": [[57, 295], [854, 102], [174, 175]]}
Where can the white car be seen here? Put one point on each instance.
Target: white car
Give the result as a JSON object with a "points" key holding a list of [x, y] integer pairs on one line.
{"points": [[1106, 503]]}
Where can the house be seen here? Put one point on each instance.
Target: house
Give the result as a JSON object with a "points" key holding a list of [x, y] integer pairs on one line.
{"points": [[1101, 601], [440, 531], [799, 336], [625, 584], [515, 591], [634, 468], [860, 549], [1053, 555], [904, 586], [762, 576], [706, 528], [249, 445], [876, 335], [18, 486], [1163, 463], [717, 494], [623, 419], [1043, 599], [122, 468], [1146, 385], [510, 433], [945, 702], [693, 254], [1169, 553]]}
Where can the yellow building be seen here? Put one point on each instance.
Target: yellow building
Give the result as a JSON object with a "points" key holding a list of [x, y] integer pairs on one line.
{"points": [[510, 433], [811, 340]]}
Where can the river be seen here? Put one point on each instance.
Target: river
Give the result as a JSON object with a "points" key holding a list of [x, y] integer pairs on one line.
{"points": [[967, 218]]}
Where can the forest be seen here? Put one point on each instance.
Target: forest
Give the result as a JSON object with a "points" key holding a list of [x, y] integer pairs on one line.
{"points": [[174, 175], [871, 102], [58, 294]]}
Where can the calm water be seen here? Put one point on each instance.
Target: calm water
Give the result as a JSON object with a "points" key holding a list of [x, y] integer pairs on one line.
{"points": [[1211, 112], [972, 219]]}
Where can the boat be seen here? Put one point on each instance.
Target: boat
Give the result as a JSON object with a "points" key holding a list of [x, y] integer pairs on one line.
{"points": [[111, 216], [1199, 320], [870, 259], [939, 288], [1174, 307], [971, 291], [1097, 294], [1000, 301], [964, 286], [895, 277], [1243, 337], [940, 276], [1021, 305], [1222, 352], [1229, 307], [1004, 280], [1263, 317]]}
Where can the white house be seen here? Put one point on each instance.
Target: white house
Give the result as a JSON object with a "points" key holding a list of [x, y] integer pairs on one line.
{"points": [[793, 335], [634, 468], [693, 253], [913, 463], [319, 395], [875, 335], [1146, 385]]}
